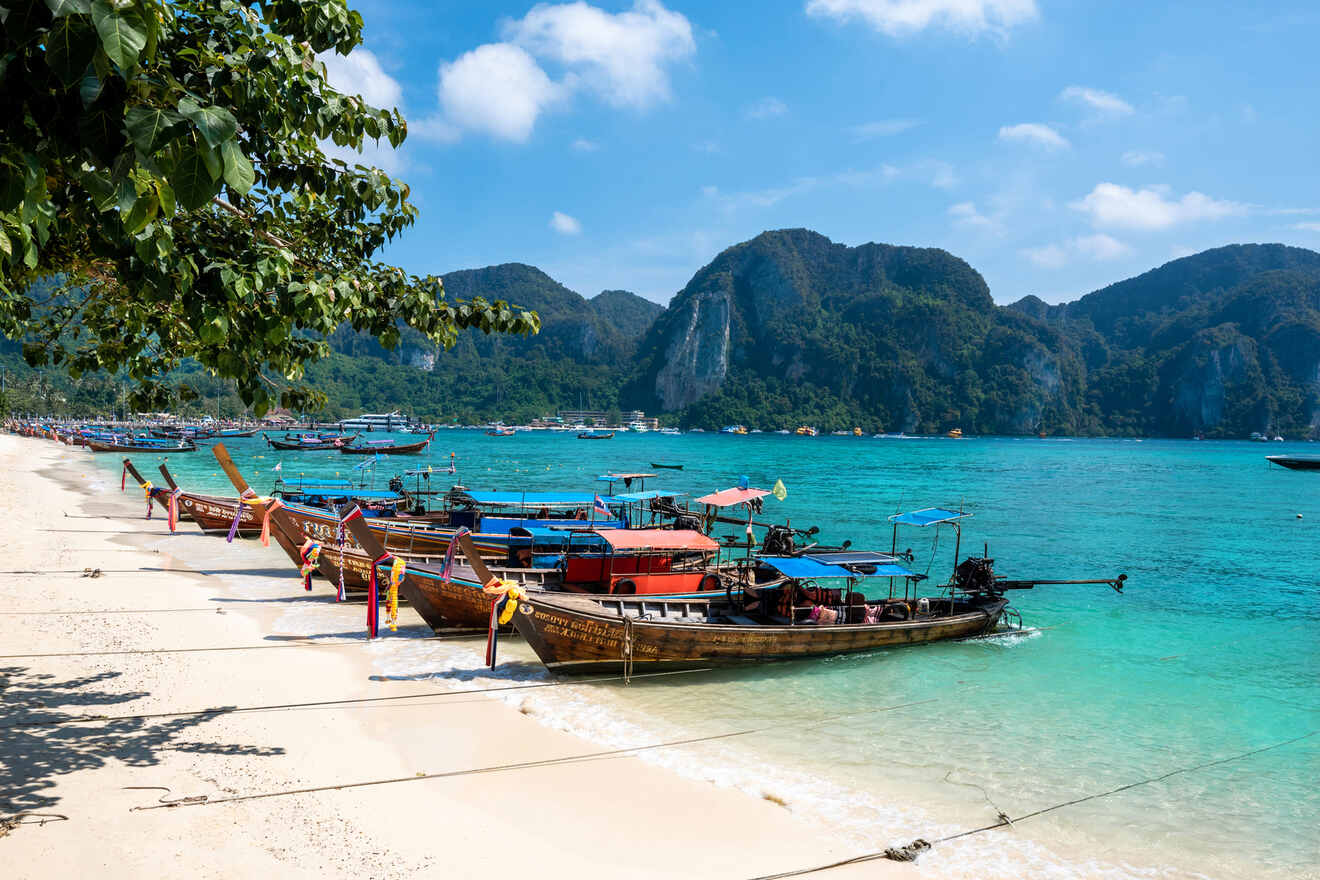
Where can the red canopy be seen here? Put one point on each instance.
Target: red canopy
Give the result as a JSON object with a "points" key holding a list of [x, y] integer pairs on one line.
{"points": [[732, 496], [657, 539]]}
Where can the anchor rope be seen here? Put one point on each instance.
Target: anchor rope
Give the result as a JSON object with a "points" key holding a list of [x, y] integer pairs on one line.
{"points": [[311, 704], [525, 765], [909, 852]]}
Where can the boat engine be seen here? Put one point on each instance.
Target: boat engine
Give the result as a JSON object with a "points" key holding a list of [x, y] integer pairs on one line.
{"points": [[396, 485], [778, 541], [975, 574]]}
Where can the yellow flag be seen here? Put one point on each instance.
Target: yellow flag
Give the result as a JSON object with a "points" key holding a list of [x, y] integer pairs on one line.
{"points": [[779, 491]]}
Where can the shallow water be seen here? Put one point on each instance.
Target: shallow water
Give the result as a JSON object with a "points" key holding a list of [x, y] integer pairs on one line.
{"points": [[1212, 650]]}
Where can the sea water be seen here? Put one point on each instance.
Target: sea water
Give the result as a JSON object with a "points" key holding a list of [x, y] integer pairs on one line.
{"points": [[1211, 652]]}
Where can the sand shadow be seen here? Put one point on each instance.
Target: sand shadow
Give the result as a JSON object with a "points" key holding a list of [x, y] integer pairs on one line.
{"points": [[41, 741]]}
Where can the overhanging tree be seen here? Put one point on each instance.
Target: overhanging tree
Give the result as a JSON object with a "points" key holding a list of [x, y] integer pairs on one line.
{"points": [[162, 162]]}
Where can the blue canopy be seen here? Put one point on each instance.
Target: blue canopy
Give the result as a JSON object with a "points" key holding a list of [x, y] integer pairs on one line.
{"points": [[536, 499], [930, 516], [803, 567], [647, 495], [852, 557], [337, 492]]}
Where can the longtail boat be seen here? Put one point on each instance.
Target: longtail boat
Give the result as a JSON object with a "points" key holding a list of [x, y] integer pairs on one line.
{"points": [[233, 433], [385, 447], [596, 435], [788, 618], [1296, 462], [214, 514], [141, 444], [319, 443]]}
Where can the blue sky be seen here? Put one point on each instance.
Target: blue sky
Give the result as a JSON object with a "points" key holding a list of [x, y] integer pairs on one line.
{"points": [[1057, 147]]}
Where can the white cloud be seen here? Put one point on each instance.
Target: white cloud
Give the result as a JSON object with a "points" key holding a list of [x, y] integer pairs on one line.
{"points": [[1101, 247], [1150, 208], [1034, 133], [899, 17], [359, 73], [1103, 105], [1050, 256], [967, 214], [1136, 158], [620, 56], [882, 128], [766, 108], [1307, 227], [1097, 248], [497, 89], [759, 198], [582, 145], [564, 224]]}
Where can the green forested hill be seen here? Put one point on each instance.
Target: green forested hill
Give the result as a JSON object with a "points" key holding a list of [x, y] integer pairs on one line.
{"points": [[792, 328]]}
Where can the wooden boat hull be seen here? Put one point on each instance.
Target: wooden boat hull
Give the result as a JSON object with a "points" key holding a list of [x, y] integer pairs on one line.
{"points": [[407, 449], [98, 446], [573, 635], [214, 515]]}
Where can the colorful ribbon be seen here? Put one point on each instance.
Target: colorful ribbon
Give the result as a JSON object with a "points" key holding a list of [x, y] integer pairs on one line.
{"points": [[146, 490], [172, 510], [123, 478], [397, 568], [373, 598], [308, 554], [450, 552], [271, 506], [505, 596]]}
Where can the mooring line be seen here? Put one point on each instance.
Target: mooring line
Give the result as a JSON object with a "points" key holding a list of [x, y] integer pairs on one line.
{"points": [[213, 610], [235, 710], [910, 852], [202, 800]]}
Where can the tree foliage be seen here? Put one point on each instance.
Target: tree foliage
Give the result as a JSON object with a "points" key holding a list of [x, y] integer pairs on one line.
{"points": [[163, 161]]}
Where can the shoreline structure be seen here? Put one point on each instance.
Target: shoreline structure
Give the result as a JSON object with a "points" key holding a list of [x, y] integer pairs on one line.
{"points": [[123, 644]]}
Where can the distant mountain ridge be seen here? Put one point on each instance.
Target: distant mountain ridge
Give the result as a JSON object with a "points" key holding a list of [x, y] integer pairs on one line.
{"points": [[791, 327]]}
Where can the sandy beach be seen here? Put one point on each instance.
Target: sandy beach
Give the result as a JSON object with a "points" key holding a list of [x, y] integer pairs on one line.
{"points": [[125, 643]]}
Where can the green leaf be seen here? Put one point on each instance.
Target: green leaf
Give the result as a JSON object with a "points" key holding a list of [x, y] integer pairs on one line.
{"points": [[143, 212], [123, 34], [5, 244], [60, 8], [216, 124], [147, 126], [193, 184], [70, 44], [214, 166], [238, 170]]}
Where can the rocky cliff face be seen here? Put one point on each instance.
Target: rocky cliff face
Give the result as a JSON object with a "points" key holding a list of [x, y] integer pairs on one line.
{"points": [[793, 327]]}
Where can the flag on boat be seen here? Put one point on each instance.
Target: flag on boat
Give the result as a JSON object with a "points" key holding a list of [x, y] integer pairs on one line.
{"points": [[600, 507], [780, 491]]}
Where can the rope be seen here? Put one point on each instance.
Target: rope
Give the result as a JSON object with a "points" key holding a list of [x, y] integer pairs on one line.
{"points": [[117, 611], [236, 710], [909, 853], [626, 648], [9, 823], [523, 765]]}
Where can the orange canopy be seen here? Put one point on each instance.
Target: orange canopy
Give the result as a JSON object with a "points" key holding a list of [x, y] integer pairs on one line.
{"points": [[657, 539], [732, 496]]}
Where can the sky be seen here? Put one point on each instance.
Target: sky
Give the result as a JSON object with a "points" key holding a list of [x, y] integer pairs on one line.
{"points": [[1056, 146]]}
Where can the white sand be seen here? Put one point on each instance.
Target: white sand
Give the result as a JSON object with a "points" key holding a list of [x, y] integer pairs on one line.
{"points": [[616, 817]]}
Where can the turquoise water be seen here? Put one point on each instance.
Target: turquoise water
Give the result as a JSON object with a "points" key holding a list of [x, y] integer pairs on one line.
{"points": [[1212, 651]]}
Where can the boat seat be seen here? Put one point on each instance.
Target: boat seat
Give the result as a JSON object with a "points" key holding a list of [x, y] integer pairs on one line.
{"points": [[740, 619]]}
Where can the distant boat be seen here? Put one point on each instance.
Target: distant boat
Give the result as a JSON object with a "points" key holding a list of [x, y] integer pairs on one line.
{"points": [[671, 467], [857, 432], [733, 429], [670, 432], [596, 435], [1296, 462], [501, 432], [956, 434], [805, 431], [1258, 437]]}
